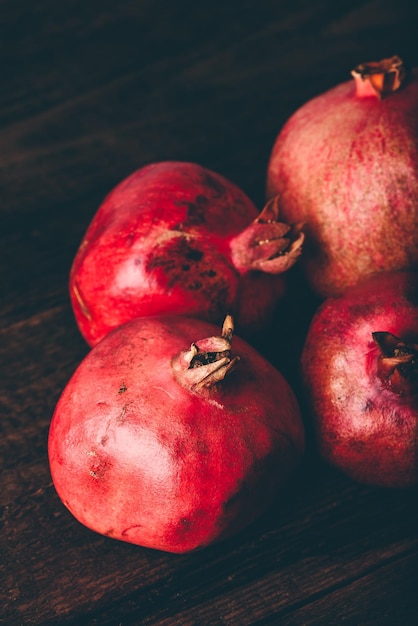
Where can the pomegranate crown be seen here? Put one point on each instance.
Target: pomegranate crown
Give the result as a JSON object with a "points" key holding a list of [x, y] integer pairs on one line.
{"points": [[268, 244], [207, 361], [398, 363], [379, 78]]}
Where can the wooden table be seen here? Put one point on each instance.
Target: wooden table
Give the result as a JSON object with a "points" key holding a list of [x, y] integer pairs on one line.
{"points": [[90, 91]]}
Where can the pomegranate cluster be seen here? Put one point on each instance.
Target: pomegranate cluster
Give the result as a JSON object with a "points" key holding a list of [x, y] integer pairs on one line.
{"points": [[173, 434], [166, 436], [346, 166]]}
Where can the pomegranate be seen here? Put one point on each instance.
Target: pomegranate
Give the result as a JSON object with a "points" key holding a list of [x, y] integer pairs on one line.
{"points": [[360, 368], [346, 165], [177, 238], [151, 444]]}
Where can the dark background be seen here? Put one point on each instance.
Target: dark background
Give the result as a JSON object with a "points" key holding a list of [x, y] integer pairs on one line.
{"points": [[90, 91]]}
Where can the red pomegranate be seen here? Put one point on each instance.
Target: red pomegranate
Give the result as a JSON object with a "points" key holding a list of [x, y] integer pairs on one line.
{"points": [[360, 368], [177, 238], [152, 444], [346, 165]]}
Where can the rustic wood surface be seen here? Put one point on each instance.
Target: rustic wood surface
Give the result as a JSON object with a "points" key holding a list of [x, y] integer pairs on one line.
{"points": [[91, 91]]}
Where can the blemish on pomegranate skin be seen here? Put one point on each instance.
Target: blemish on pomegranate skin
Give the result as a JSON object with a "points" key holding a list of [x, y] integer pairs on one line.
{"points": [[196, 211], [186, 524], [368, 406], [179, 226], [83, 306], [99, 467], [122, 388], [68, 505], [194, 255], [397, 418], [122, 416], [359, 310], [208, 273], [130, 239], [213, 184], [167, 258], [202, 446], [125, 532], [179, 449], [164, 390]]}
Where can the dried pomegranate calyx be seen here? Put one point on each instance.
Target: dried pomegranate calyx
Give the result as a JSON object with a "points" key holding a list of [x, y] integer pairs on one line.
{"points": [[268, 244], [398, 363], [207, 361], [379, 78]]}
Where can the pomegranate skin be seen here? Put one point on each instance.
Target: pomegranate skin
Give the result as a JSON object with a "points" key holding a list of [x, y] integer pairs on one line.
{"points": [[162, 242], [139, 457], [363, 426], [347, 167]]}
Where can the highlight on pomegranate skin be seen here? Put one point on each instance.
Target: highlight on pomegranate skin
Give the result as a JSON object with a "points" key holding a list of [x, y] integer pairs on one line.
{"points": [[346, 166], [177, 238], [173, 435], [360, 371]]}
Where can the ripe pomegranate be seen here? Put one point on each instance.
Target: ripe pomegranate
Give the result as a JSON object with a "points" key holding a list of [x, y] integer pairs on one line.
{"points": [[346, 165], [177, 238], [151, 444], [360, 368]]}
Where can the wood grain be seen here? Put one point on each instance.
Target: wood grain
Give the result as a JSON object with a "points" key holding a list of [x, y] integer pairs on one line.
{"points": [[90, 92]]}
